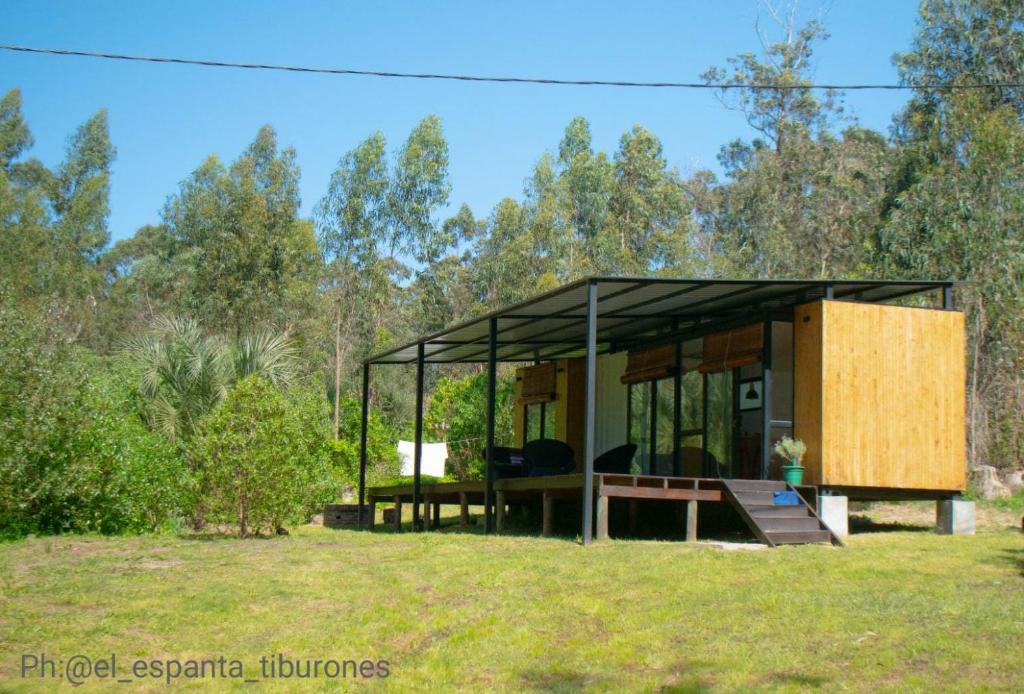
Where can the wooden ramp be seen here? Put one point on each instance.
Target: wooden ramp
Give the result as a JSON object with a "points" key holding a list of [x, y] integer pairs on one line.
{"points": [[776, 525]]}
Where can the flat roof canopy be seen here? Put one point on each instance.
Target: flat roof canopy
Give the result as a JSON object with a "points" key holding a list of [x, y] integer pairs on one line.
{"points": [[632, 311]]}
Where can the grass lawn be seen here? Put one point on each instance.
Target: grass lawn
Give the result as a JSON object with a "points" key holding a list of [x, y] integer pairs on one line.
{"points": [[454, 610]]}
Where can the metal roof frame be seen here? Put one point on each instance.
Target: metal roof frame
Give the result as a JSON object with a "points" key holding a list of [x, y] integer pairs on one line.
{"points": [[631, 311]]}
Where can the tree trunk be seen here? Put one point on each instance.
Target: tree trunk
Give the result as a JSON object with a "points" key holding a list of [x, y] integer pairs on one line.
{"points": [[337, 372]]}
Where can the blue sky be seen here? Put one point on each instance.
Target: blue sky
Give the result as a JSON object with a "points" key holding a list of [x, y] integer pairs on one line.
{"points": [[166, 119]]}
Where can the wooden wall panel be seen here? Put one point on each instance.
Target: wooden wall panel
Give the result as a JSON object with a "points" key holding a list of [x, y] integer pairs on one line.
{"points": [[518, 417], [807, 421], [570, 393], [892, 399]]}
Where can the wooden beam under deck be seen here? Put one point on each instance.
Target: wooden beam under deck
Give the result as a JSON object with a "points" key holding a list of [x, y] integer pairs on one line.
{"points": [[688, 490]]}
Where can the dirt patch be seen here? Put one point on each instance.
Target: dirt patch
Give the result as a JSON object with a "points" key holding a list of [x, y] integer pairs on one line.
{"points": [[920, 515], [158, 564]]}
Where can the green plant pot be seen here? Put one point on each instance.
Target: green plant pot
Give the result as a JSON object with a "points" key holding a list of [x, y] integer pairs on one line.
{"points": [[793, 474]]}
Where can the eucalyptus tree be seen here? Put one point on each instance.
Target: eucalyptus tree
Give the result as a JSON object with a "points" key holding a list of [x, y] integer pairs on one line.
{"points": [[808, 211], [776, 114], [420, 186], [800, 198], [251, 260], [442, 294], [954, 207], [585, 183], [54, 222], [25, 243], [356, 240], [959, 41], [648, 225]]}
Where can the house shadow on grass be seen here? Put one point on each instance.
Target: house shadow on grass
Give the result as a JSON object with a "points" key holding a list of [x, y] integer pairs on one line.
{"points": [[800, 680], [1015, 557], [864, 524], [684, 678], [215, 536]]}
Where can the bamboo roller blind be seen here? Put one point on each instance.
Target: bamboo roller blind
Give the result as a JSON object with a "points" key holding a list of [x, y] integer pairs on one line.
{"points": [[732, 349], [537, 383], [650, 364]]}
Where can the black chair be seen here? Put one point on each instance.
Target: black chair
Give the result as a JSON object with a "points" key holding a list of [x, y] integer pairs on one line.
{"points": [[548, 457], [616, 461], [695, 465], [508, 462]]}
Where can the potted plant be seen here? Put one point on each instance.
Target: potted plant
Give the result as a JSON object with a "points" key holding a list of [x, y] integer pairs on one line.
{"points": [[791, 450]]}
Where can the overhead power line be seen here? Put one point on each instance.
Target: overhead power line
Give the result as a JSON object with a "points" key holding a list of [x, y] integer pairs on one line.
{"points": [[508, 80]]}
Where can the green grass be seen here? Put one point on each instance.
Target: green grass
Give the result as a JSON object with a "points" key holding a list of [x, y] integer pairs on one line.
{"points": [[892, 611], [1011, 503]]}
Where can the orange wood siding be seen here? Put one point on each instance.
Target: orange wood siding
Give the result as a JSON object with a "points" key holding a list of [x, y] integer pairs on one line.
{"points": [[518, 416], [807, 375], [879, 395], [570, 395]]}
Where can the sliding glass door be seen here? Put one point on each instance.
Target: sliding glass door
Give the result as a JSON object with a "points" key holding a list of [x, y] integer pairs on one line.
{"points": [[651, 417]]}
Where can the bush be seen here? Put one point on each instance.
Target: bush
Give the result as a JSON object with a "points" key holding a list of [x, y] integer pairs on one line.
{"points": [[381, 448], [74, 455], [260, 463], [458, 414]]}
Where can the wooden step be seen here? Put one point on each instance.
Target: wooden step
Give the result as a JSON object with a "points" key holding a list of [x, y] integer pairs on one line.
{"points": [[776, 524], [772, 524], [759, 498], [757, 485], [758, 511], [798, 537]]}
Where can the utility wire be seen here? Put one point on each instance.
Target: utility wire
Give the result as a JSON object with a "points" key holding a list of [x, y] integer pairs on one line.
{"points": [[515, 80]]}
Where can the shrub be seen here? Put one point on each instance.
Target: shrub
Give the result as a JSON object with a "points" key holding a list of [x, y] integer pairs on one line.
{"points": [[74, 455], [458, 414], [381, 447], [260, 464]]}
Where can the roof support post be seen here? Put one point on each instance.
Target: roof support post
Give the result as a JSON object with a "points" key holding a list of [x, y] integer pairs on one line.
{"points": [[588, 421], [417, 523], [766, 400], [492, 387], [677, 413], [947, 297], [704, 463], [363, 430]]}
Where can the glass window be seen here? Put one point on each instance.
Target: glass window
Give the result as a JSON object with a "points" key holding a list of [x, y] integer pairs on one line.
{"points": [[720, 423], [540, 421], [665, 420], [693, 401], [651, 425], [640, 424], [691, 434]]}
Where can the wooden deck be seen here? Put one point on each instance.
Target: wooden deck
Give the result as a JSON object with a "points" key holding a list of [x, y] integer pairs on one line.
{"points": [[687, 490]]}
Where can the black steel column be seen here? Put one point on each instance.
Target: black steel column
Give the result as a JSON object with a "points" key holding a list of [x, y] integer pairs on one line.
{"points": [[704, 465], [492, 386], [362, 441], [947, 297], [766, 400], [588, 421], [418, 456], [677, 413]]}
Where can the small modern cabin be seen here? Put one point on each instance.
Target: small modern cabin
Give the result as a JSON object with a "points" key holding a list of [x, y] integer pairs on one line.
{"points": [[703, 377]]}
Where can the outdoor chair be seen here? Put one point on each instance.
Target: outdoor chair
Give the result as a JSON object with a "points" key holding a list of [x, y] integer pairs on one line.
{"points": [[616, 461], [548, 457], [508, 462], [694, 465]]}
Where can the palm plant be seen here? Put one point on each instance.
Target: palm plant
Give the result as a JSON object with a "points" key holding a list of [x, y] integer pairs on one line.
{"points": [[185, 373]]}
